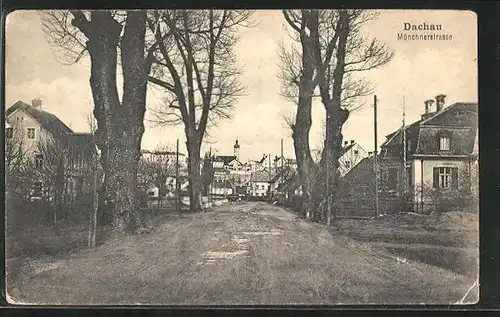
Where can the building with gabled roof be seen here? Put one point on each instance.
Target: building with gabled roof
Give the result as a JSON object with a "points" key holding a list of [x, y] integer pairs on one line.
{"points": [[438, 150], [260, 183], [352, 153], [35, 131]]}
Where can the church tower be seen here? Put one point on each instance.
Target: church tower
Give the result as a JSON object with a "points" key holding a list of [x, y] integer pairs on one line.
{"points": [[237, 150]]}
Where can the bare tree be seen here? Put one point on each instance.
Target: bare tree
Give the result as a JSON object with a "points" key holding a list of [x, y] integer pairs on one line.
{"points": [[50, 165], [196, 68], [19, 176], [155, 167], [328, 50], [111, 38], [15, 150]]}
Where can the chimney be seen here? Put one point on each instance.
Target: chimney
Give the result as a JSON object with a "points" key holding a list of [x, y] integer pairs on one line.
{"points": [[428, 105], [352, 141], [36, 103], [370, 153], [428, 111], [346, 143], [440, 102]]}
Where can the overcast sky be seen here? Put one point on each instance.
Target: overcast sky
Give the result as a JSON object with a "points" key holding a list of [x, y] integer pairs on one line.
{"points": [[419, 71]]}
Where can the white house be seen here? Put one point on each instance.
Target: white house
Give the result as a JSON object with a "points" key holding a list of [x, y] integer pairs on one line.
{"points": [[352, 154], [259, 183], [440, 147], [30, 133]]}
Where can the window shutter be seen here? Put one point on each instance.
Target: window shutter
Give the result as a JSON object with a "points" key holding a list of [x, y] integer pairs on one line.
{"points": [[454, 177], [435, 177]]}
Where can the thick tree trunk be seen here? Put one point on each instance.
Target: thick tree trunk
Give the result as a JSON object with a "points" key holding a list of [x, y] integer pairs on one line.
{"points": [[329, 163], [120, 125], [336, 116], [194, 175], [303, 121]]}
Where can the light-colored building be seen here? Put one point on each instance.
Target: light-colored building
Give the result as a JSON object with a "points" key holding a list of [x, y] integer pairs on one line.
{"points": [[439, 151], [352, 154], [40, 140], [260, 184]]}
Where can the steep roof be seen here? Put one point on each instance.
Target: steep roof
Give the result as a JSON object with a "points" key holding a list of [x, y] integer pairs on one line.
{"points": [[414, 128], [48, 121], [225, 158], [347, 148]]}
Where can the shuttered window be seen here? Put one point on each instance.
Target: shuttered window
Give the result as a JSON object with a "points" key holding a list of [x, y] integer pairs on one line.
{"points": [[445, 177]]}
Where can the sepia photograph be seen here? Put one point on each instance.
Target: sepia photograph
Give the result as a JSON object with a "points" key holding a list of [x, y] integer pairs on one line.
{"points": [[241, 157]]}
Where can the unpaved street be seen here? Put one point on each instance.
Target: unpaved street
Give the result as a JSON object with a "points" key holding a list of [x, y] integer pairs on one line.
{"points": [[249, 253]]}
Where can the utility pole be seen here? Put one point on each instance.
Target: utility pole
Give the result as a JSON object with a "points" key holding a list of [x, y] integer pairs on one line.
{"points": [[327, 174], [375, 153], [270, 168], [404, 150], [177, 185], [282, 174]]}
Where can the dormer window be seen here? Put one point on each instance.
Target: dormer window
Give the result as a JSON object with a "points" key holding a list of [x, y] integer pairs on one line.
{"points": [[444, 143]]}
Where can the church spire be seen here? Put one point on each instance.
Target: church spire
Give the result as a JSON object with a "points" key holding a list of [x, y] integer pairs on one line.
{"points": [[237, 150]]}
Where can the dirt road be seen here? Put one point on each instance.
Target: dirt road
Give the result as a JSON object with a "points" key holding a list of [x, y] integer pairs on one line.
{"points": [[250, 253]]}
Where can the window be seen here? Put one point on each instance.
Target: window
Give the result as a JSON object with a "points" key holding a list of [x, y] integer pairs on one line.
{"points": [[444, 143], [348, 164], [356, 152], [38, 160], [31, 133], [9, 133], [445, 177]]}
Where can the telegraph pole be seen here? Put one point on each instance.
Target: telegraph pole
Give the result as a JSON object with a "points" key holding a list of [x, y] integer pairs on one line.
{"points": [[404, 149], [282, 174], [177, 185], [327, 172], [375, 153]]}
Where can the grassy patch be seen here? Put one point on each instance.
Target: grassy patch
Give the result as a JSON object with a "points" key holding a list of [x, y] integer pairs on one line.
{"points": [[448, 240]]}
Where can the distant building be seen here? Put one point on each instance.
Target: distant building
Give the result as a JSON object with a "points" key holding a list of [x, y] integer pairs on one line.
{"points": [[352, 154], [169, 158], [222, 184], [260, 184]]}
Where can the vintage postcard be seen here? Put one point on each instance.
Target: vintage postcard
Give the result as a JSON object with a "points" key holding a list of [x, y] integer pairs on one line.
{"points": [[241, 157]]}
